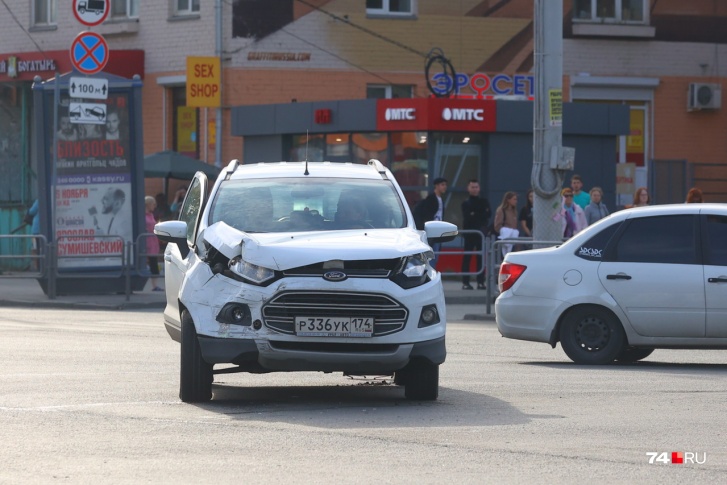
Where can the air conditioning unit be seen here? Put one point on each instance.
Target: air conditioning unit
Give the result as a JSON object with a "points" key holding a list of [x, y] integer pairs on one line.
{"points": [[704, 96]]}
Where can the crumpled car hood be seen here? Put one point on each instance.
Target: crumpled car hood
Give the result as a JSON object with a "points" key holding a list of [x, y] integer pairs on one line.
{"points": [[281, 251]]}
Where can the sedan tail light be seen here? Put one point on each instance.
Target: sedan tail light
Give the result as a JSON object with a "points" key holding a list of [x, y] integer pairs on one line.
{"points": [[509, 274]]}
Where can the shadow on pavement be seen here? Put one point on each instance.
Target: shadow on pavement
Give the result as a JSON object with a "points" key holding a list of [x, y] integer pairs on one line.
{"points": [[357, 404], [643, 366]]}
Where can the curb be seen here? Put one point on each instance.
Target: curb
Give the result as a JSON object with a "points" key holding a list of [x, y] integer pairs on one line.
{"points": [[71, 305], [480, 317]]}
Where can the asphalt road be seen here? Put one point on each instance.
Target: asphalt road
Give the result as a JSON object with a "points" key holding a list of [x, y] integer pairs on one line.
{"points": [[91, 397]]}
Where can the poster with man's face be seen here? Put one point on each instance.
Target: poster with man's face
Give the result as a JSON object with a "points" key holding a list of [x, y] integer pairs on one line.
{"points": [[93, 204]]}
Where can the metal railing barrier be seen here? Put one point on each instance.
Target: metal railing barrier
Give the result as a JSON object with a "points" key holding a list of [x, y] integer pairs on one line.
{"points": [[68, 245], [122, 259], [140, 261], [37, 258]]}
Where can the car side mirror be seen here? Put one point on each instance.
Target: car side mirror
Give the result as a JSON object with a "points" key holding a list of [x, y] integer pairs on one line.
{"points": [[440, 232], [174, 232]]}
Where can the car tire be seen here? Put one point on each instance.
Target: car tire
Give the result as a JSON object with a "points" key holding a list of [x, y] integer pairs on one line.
{"points": [[629, 355], [421, 381], [195, 375], [591, 335]]}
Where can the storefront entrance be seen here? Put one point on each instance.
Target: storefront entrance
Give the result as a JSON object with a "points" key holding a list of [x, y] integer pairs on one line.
{"points": [[458, 158]]}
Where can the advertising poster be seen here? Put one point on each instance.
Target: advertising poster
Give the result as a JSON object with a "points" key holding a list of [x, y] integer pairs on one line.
{"points": [[93, 199], [625, 185]]}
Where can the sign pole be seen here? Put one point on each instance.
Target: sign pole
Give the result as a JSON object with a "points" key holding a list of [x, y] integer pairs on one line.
{"points": [[547, 180], [218, 114], [53, 184]]}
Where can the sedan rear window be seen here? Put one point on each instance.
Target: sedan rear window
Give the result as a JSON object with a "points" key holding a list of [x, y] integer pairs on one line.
{"points": [[662, 239], [716, 247]]}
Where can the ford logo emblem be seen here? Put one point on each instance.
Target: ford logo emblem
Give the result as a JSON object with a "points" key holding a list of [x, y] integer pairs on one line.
{"points": [[334, 276]]}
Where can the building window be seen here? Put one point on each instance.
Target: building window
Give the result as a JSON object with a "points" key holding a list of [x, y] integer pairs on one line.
{"points": [[615, 11], [337, 147], [125, 8], [381, 91], [391, 8], [44, 12], [410, 164], [259, 18], [307, 147], [365, 146], [187, 7], [185, 122]]}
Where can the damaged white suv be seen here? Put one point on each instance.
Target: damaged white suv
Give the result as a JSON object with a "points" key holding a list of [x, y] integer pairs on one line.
{"points": [[303, 267]]}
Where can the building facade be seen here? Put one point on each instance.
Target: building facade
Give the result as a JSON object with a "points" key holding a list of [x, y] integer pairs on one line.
{"points": [[664, 60]]}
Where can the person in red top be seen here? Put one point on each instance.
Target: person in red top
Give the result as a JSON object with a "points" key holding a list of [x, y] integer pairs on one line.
{"points": [[152, 242]]}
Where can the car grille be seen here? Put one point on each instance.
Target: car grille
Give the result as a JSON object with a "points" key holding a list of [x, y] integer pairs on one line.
{"points": [[389, 315]]}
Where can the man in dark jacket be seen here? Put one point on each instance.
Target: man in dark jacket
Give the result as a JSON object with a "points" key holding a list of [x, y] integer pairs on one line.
{"points": [[432, 209], [475, 216]]}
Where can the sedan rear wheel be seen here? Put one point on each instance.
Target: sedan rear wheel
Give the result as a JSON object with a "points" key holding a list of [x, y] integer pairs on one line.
{"points": [[195, 375], [591, 335], [633, 354]]}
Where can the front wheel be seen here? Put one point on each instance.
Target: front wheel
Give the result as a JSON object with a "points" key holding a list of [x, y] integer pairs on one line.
{"points": [[421, 381], [195, 375], [632, 354], [591, 335]]}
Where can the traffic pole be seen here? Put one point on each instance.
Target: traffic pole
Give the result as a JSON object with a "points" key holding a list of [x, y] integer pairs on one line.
{"points": [[550, 158]]}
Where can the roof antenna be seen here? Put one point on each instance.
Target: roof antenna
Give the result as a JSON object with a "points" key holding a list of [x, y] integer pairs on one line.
{"points": [[306, 153]]}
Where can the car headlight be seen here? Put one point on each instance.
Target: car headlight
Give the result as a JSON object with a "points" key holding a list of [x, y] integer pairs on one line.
{"points": [[412, 272], [251, 272], [414, 267]]}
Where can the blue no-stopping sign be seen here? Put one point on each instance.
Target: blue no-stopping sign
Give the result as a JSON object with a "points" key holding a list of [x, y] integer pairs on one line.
{"points": [[89, 52]]}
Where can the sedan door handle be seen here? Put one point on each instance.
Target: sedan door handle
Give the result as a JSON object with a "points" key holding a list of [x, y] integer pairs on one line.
{"points": [[619, 276], [721, 279], [168, 257]]}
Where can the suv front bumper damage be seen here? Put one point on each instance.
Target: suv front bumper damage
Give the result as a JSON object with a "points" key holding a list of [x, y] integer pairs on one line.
{"points": [[271, 355]]}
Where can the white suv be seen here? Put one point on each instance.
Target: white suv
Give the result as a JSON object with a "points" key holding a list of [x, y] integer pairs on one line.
{"points": [[304, 267]]}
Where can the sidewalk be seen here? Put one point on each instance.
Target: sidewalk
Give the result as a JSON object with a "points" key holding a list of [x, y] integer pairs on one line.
{"points": [[26, 292]]}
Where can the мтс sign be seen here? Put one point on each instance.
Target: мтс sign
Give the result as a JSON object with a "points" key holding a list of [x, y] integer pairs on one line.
{"points": [[203, 82]]}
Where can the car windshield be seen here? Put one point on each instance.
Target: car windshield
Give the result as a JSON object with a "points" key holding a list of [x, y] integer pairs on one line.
{"points": [[307, 204]]}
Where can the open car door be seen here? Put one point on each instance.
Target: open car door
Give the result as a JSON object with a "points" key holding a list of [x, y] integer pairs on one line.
{"points": [[178, 257]]}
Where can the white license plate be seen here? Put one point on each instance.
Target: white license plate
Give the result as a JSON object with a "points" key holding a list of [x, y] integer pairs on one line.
{"points": [[334, 326]]}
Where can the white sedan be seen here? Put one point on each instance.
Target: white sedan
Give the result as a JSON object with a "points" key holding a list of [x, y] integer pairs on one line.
{"points": [[640, 279]]}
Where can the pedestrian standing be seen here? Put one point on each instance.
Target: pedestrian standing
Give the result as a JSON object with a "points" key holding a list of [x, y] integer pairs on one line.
{"points": [[694, 196], [152, 242], [475, 217], [432, 209], [506, 220], [641, 198], [596, 210], [572, 216], [526, 216], [176, 206], [579, 197]]}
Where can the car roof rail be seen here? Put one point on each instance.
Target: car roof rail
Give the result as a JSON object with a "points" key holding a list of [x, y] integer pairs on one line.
{"points": [[378, 166], [232, 166]]}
